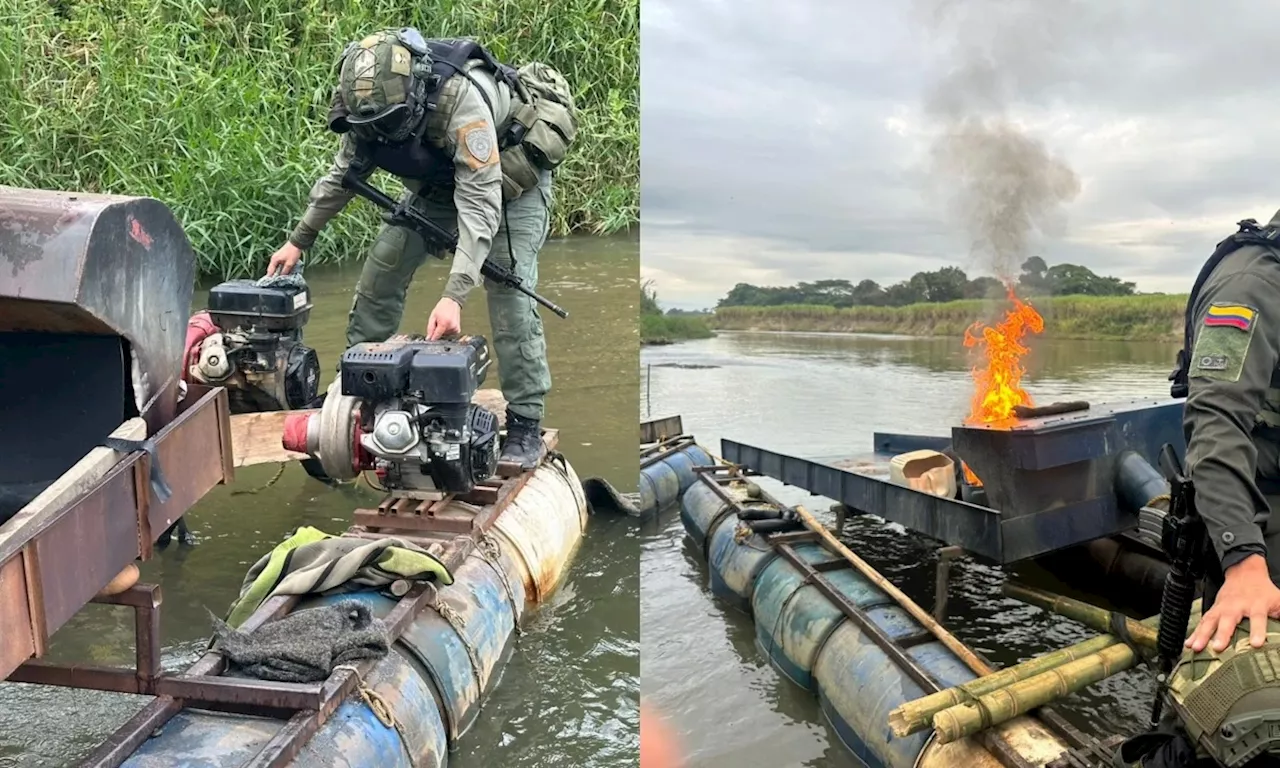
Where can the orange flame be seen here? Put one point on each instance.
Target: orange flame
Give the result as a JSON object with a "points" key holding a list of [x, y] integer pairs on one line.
{"points": [[998, 383]]}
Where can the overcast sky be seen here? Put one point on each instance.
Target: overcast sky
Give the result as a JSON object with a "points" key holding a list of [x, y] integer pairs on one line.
{"points": [[799, 140]]}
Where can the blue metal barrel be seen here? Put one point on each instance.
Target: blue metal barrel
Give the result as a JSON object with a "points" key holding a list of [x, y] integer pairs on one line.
{"points": [[813, 643], [663, 481], [438, 671]]}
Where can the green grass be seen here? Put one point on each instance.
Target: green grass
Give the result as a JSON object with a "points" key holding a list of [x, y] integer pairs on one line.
{"points": [[659, 328], [218, 108], [1137, 318], [668, 329]]}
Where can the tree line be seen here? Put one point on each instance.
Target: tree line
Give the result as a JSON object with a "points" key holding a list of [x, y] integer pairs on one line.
{"points": [[947, 284]]}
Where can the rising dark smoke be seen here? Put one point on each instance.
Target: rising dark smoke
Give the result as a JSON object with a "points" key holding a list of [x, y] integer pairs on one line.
{"points": [[1004, 186]]}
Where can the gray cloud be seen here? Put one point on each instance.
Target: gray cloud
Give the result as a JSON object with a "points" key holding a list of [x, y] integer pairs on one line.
{"points": [[791, 141]]}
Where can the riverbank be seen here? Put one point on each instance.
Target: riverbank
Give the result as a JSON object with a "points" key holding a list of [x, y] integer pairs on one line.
{"points": [[1133, 318], [668, 329], [220, 110]]}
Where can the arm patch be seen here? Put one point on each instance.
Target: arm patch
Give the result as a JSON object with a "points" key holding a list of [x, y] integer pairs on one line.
{"points": [[1222, 342], [476, 144]]}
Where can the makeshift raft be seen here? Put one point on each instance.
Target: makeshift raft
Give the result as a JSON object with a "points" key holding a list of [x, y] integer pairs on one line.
{"points": [[507, 549], [91, 323], [838, 634], [667, 461]]}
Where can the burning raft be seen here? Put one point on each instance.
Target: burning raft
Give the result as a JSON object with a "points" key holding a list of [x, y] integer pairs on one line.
{"points": [[503, 535]]}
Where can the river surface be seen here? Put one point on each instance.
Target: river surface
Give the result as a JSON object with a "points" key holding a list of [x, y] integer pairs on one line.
{"points": [[821, 396], [570, 693]]}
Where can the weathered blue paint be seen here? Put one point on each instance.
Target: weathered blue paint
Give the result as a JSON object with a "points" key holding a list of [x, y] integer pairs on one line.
{"points": [[699, 508], [810, 640], [353, 736], [428, 681], [662, 482], [734, 567], [793, 620]]}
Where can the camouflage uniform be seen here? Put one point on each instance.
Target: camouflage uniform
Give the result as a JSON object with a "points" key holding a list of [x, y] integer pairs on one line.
{"points": [[466, 198], [1232, 413], [1232, 425]]}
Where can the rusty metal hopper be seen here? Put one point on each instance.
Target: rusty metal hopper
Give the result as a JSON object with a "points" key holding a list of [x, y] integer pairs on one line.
{"points": [[95, 291]]}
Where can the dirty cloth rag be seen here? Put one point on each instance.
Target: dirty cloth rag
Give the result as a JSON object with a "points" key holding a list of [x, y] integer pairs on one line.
{"points": [[306, 645], [314, 562]]}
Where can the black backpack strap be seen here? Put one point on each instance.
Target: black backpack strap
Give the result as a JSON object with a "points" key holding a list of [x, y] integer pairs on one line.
{"points": [[1249, 233]]}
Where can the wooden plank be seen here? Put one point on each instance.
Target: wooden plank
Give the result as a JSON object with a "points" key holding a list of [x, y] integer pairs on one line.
{"points": [[256, 438], [79, 479]]}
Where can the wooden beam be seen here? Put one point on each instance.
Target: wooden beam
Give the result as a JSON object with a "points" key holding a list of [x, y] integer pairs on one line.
{"points": [[256, 437]]}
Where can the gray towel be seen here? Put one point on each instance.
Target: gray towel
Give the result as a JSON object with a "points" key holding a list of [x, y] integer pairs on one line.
{"points": [[305, 646]]}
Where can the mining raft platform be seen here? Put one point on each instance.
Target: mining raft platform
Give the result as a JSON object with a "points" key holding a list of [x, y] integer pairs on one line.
{"points": [[95, 295], [835, 627], [1071, 487]]}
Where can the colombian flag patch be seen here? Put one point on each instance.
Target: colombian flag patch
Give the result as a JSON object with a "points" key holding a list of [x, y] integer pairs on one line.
{"points": [[1233, 315]]}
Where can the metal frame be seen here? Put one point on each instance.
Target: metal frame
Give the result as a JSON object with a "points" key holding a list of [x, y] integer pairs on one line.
{"points": [[108, 527], [980, 530], [659, 430], [450, 528], [717, 476]]}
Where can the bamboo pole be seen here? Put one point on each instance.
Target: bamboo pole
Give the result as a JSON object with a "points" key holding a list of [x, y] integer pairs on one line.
{"points": [[960, 721], [965, 654], [915, 716], [1006, 703], [1089, 615]]}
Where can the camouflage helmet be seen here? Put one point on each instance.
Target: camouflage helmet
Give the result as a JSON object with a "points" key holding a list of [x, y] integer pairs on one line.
{"points": [[1229, 702], [383, 83]]}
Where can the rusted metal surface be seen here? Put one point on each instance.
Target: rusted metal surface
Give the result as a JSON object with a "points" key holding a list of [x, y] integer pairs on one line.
{"points": [[106, 530], [145, 601], [77, 263], [306, 708], [657, 430]]}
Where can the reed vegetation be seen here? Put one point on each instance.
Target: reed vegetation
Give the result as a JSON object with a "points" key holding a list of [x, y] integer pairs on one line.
{"points": [[1150, 317], [218, 108], [657, 327]]}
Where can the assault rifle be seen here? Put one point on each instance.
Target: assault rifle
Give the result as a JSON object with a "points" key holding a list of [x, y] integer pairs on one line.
{"points": [[1183, 538], [403, 214]]}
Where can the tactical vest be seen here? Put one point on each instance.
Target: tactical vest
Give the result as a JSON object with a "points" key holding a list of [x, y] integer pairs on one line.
{"points": [[1248, 234], [426, 159]]}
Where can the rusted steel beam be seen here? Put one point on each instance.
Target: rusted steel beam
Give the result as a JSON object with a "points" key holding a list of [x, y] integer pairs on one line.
{"points": [[106, 528], [125, 741], [215, 692], [90, 676]]}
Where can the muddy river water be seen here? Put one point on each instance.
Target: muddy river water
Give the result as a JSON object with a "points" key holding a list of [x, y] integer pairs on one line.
{"points": [[569, 694], [822, 396]]}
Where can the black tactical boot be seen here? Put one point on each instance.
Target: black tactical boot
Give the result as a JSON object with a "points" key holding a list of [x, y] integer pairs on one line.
{"points": [[524, 442]]}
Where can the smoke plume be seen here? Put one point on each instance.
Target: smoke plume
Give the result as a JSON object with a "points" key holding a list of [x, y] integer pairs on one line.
{"points": [[1004, 187]]}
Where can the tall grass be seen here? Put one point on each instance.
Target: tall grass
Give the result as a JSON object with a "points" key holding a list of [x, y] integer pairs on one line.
{"points": [[659, 328], [1138, 318], [218, 108]]}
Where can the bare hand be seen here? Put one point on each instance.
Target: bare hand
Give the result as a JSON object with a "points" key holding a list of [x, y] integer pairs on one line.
{"points": [[445, 320], [1248, 593], [284, 260]]}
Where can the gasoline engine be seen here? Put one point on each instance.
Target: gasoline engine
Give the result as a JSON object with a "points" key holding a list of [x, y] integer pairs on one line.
{"points": [[252, 346], [403, 408]]}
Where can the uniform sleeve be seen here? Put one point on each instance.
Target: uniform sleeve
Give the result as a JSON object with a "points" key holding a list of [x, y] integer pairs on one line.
{"points": [[477, 194], [1232, 360], [328, 197]]}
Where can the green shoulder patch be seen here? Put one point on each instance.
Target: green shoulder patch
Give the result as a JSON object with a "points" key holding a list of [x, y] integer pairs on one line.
{"points": [[1221, 347]]}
